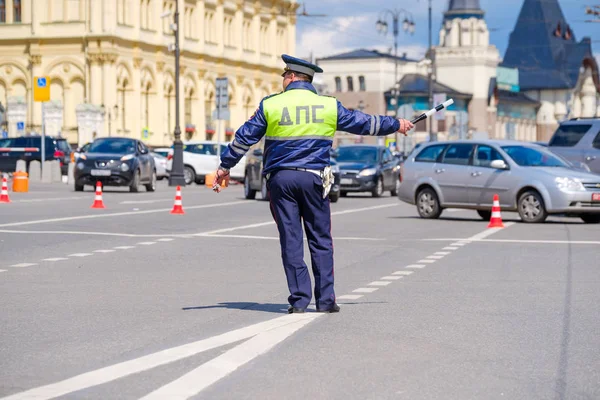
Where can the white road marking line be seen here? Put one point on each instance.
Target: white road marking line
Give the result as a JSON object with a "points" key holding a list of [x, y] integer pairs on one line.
{"points": [[441, 253], [55, 259], [391, 278], [144, 201], [450, 248], [166, 240], [260, 224], [404, 272], [80, 255], [532, 241], [276, 238], [166, 356], [212, 371], [417, 266], [435, 257], [379, 283], [23, 265], [49, 199], [124, 247], [147, 243], [426, 261], [2, 270], [78, 233], [349, 297], [119, 214], [489, 231], [104, 251], [365, 290], [460, 244]]}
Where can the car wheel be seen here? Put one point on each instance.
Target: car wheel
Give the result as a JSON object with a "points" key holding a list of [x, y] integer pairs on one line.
{"points": [[151, 187], [590, 219], [428, 204], [134, 187], [394, 191], [334, 197], [378, 191], [263, 189], [78, 188], [248, 192], [531, 207], [484, 214], [189, 175]]}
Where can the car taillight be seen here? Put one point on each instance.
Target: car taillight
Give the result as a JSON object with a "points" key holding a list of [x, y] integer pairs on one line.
{"points": [[59, 154], [169, 157]]}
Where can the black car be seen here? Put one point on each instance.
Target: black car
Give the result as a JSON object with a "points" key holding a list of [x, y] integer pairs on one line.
{"points": [[368, 168], [29, 148], [116, 162], [254, 181]]}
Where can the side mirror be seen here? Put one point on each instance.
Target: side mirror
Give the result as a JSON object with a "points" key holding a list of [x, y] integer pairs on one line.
{"points": [[257, 153], [498, 164]]}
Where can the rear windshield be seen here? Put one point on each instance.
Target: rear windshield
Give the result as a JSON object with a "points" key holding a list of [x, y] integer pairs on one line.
{"points": [[63, 145], [568, 135]]}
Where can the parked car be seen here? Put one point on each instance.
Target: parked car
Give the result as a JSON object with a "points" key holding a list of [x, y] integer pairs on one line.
{"points": [[29, 148], [161, 165], [163, 151], [254, 181], [528, 179], [116, 161], [200, 158], [578, 140], [75, 155], [367, 168]]}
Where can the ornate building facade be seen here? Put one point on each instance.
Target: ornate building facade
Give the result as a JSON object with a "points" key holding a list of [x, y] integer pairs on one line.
{"points": [[111, 57]]}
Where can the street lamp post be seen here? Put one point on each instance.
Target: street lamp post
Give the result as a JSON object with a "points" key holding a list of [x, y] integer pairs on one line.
{"points": [[408, 25], [432, 135], [176, 177]]}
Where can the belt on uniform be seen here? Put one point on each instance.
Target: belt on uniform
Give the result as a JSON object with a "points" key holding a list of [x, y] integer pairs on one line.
{"points": [[326, 175]]}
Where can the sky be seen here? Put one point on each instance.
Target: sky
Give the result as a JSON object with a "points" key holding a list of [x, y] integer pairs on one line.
{"points": [[350, 24]]}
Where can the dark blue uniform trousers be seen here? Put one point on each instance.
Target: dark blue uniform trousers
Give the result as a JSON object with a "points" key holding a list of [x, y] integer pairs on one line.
{"points": [[296, 198]]}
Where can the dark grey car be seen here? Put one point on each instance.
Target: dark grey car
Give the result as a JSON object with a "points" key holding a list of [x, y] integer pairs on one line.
{"points": [[578, 140], [527, 178]]}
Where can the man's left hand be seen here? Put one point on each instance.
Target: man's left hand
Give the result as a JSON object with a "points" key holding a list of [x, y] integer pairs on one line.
{"points": [[220, 174], [405, 126]]}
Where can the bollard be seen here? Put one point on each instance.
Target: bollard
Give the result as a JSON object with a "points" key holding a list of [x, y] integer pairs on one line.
{"points": [[47, 172], [21, 166], [55, 171], [71, 174], [20, 182], [35, 171]]}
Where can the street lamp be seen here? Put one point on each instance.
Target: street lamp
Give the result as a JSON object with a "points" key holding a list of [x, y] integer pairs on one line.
{"points": [[176, 177], [408, 25]]}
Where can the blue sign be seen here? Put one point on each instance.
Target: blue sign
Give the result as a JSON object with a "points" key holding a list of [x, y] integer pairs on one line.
{"points": [[20, 126], [41, 82], [4, 134]]}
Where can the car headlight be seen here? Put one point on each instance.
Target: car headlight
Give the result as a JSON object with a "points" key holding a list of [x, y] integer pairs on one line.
{"points": [[127, 157], [82, 156], [368, 172], [124, 167], [80, 165], [569, 184], [335, 169]]}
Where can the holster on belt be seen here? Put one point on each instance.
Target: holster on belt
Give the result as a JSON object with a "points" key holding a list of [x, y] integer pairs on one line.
{"points": [[327, 177]]}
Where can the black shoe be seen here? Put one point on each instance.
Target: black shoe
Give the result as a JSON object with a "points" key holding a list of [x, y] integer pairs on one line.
{"points": [[335, 308], [292, 310]]}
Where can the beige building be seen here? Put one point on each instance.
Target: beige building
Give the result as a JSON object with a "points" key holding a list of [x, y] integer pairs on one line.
{"points": [[111, 57]]}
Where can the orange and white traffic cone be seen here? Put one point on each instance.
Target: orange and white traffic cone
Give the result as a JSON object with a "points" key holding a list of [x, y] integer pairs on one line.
{"points": [[496, 219], [177, 207], [4, 194], [98, 203]]}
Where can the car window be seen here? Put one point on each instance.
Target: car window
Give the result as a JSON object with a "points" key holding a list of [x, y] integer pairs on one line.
{"points": [[63, 145], [357, 154], [113, 146], [206, 149], [459, 154], [485, 155], [85, 147], [568, 135], [430, 153], [387, 156], [596, 143], [532, 157]]}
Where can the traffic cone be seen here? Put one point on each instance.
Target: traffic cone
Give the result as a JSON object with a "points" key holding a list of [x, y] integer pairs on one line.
{"points": [[177, 207], [4, 195], [98, 203], [496, 219]]}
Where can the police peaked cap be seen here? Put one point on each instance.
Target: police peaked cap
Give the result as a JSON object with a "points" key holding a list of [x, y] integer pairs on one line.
{"points": [[298, 65]]}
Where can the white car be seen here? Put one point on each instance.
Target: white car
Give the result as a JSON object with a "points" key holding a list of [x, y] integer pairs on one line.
{"points": [[200, 158], [161, 165]]}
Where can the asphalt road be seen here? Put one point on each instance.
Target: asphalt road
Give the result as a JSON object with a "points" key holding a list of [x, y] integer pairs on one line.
{"points": [[131, 302]]}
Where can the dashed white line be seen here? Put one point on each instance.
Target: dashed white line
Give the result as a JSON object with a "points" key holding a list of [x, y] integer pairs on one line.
{"points": [[426, 261], [435, 257], [450, 248], [406, 272], [165, 240], [55, 259], [23, 265], [124, 247], [364, 290], [104, 251], [80, 255], [2, 270], [458, 244], [349, 297], [391, 278], [146, 243], [418, 266], [379, 283], [441, 253]]}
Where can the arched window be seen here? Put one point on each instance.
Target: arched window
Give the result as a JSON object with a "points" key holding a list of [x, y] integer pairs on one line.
{"points": [[208, 108], [146, 103], [338, 84], [169, 94], [17, 11], [350, 84], [122, 99], [361, 83]]}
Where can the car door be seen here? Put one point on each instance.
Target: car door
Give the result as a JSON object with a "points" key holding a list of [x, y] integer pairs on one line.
{"points": [[144, 160], [485, 181], [566, 141], [387, 168], [452, 173], [591, 155]]}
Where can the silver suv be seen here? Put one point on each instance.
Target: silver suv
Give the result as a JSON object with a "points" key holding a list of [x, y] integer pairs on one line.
{"points": [[578, 140]]}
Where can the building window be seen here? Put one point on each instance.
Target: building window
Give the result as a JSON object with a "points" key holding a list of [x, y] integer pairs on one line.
{"points": [[247, 35], [2, 11], [17, 10], [338, 84], [264, 38], [146, 14], [361, 83], [281, 46], [350, 84], [210, 29], [228, 32]]}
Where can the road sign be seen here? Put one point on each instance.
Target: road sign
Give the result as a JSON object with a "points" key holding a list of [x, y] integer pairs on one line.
{"points": [[20, 126], [4, 134], [41, 88], [222, 98]]}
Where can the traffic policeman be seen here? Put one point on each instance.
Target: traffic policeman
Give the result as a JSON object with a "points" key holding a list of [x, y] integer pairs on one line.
{"points": [[299, 125]]}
